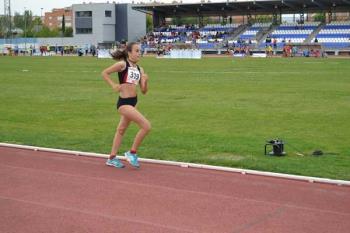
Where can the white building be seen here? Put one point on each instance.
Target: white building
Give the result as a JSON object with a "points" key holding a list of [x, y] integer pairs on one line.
{"points": [[105, 23]]}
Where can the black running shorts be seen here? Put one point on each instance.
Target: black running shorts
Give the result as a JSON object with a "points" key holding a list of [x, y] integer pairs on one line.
{"points": [[127, 101]]}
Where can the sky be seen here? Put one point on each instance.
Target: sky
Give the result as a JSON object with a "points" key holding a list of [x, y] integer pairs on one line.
{"points": [[47, 5]]}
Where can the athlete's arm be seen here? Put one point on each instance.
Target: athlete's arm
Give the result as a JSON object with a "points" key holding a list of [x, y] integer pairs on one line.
{"points": [[117, 67], [143, 81]]}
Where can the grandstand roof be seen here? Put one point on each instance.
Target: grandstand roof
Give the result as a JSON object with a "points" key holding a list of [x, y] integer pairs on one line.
{"points": [[243, 7]]}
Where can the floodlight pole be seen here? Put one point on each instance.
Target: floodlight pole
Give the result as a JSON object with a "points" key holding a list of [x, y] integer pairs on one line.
{"points": [[8, 20], [25, 31]]}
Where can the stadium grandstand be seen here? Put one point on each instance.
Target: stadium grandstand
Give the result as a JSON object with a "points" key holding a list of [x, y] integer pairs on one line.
{"points": [[247, 26], [334, 35], [331, 35]]}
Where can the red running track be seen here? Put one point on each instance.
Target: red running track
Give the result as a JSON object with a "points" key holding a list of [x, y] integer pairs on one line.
{"points": [[51, 192]]}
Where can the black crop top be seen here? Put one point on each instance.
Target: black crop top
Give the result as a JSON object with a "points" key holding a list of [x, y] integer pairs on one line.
{"points": [[130, 74]]}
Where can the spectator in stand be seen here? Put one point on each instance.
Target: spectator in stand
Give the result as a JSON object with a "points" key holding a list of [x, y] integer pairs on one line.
{"points": [[268, 39], [284, 54], [80, 52], [294, 51], [123, 44], [16, 49], [93, 50], [226, 44], [317, 53], [287, 50], [274, 43], [31, 50], [270, 50]]}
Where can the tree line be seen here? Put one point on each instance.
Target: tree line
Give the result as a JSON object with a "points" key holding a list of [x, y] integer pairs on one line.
{"points": [[27, 25]]}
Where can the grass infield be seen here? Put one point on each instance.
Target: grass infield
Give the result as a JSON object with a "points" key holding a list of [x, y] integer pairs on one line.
{"points": [[217, 111]]}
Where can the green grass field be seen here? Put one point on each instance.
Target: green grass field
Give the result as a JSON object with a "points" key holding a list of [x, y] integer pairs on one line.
{"points": [[216, 111]]}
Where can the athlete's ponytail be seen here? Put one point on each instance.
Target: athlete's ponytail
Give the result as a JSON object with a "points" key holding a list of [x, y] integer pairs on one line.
{"points": [[123, 53], [119, 54]]}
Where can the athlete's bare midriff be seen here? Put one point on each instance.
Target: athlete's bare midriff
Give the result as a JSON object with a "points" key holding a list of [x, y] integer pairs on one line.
{"points": [[127, 90]]}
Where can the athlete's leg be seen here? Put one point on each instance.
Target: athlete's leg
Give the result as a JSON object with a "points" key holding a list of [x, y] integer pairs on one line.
{"points": [[132, 114], [123, 125]]}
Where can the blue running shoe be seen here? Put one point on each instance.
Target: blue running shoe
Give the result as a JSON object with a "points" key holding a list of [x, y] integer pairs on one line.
{"points": [[115, 162], [132, 159]]}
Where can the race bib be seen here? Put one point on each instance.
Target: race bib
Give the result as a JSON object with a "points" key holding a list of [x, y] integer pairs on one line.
{"points": [[133, 76]]}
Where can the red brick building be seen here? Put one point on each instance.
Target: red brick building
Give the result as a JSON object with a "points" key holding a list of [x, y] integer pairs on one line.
{"points": [[54, 19]]}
